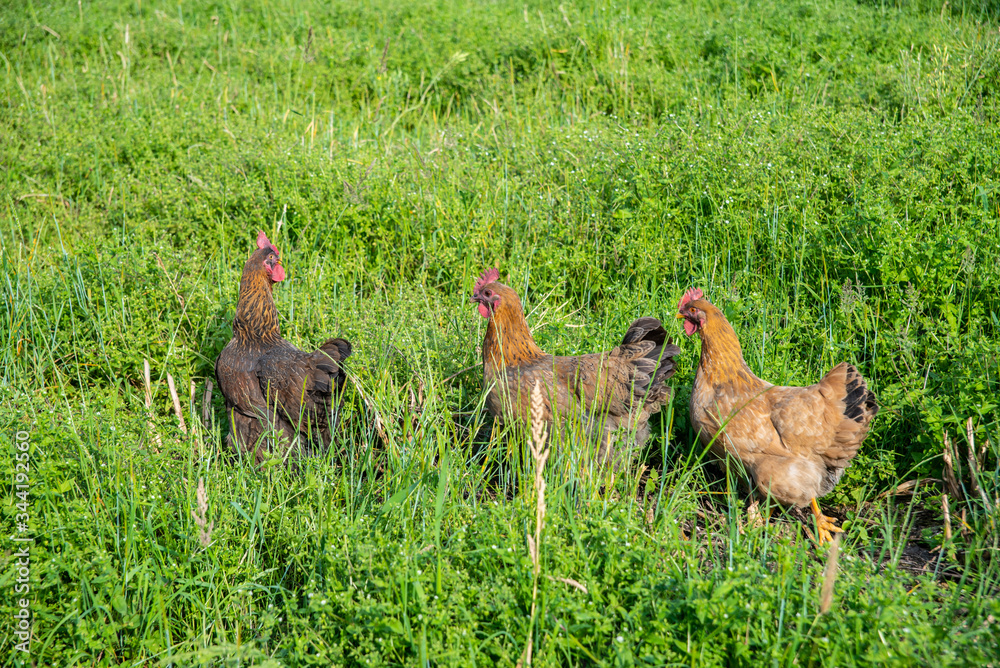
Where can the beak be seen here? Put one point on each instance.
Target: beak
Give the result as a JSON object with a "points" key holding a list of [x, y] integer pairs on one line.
{"points": [[679, 316]]}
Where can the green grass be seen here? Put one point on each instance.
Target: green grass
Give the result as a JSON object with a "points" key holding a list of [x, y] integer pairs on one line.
{"points": [[827, 171]]}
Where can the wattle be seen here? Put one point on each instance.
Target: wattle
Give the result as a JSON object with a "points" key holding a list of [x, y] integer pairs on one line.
{"points": [[483, 311], [278, 274], [689, 327]]}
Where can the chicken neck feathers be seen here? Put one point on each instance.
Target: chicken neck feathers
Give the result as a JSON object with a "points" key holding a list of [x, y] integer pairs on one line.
{"points": [[256, 318], [722, 356], [508, 340]]}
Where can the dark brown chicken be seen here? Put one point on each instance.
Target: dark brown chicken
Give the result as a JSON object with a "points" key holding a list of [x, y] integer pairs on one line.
{"points": [[277, 396], [795, 442], [606, 397]]}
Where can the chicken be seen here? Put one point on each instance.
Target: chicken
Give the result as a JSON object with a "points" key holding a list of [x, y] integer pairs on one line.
{"points": [[276, 395], [609, 397], [795, 442]]}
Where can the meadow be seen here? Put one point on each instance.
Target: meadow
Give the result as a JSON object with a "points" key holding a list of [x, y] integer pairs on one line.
{"points": [[825, 170]]}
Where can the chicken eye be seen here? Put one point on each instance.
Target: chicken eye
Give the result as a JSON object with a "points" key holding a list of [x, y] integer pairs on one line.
{"points": [[488, 293]]}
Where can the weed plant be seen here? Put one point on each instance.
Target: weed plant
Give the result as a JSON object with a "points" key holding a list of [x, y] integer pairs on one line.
{"points": [[825, 170]]}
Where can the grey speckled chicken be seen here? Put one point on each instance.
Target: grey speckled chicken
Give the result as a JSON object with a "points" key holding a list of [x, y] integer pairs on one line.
{"points": [[276, 395], [609, 395]]}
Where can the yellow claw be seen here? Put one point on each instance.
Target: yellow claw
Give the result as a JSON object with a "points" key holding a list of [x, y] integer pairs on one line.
{"points": [[825, 526]]}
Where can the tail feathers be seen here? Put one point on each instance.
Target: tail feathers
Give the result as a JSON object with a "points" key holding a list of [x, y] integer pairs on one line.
{"points": [[645, 329], [668, 365], [859, 404], [845, 383], [337, 349], [657, 364]]}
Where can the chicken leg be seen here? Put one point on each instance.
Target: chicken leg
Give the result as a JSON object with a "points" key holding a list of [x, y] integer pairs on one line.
{"points": [[824, 525]]}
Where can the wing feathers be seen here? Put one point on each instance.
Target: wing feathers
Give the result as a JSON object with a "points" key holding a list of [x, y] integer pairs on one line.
{"points": [[616, 383], [830, 418], [302, 384], [633, 374]]}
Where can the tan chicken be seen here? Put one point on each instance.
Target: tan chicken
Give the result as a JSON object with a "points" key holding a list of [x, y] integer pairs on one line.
{"points": [[276, 395], [608, 397], [795, 442]]}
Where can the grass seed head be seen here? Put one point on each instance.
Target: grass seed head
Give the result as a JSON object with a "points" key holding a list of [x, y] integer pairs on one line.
{"points": [[201, 515]]}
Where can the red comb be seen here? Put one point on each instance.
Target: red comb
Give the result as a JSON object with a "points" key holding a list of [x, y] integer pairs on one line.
{"points": [[488, 276], [263, 242], [689, 296]]}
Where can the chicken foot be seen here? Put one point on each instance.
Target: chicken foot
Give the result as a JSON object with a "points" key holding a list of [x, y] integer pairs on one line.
{"points": [[825, 526]]}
